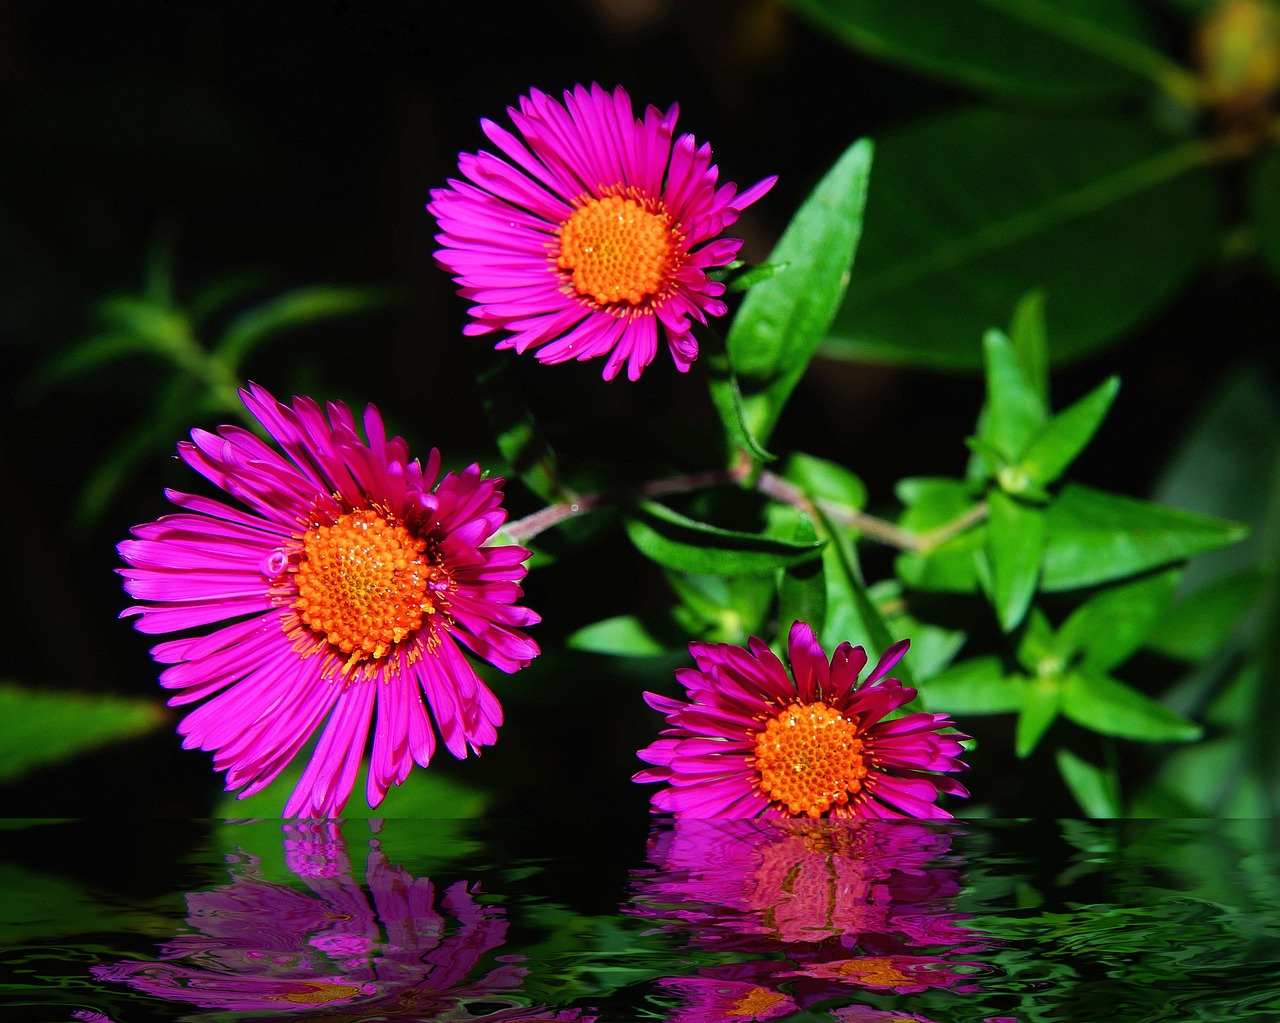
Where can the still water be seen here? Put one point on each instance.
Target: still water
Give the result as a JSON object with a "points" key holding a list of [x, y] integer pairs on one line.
{"points": [[595, 919]]}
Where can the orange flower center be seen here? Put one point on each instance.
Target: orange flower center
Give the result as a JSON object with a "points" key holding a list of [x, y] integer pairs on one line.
{"points": [[755, 1002], [809, 758], [317, 992], [616, 251], [364, 583], [875, 971]]}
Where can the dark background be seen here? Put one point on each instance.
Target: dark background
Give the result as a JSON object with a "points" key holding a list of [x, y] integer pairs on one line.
{"points": [[301, 141]]}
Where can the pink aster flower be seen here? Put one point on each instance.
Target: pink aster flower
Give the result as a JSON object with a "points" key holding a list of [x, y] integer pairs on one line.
{"points": [[593, 232], [751, 742], [344, 594]]}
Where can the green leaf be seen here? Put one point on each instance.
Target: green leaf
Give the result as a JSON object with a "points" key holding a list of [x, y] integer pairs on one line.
{"points": [[932, 502], [87, 356], [932, 646], [976, 686], [621, 636], [1014, 410], [48, 726], [679, 542], [726, 394], [1112, 625], [1039, 649], [1102, 704], [1078, 206], [1038, 710], [1196, 626], [722, 609], [782, 319], [751, 276], [852, 616], [1031, 343], [802, 590], [292, 309], [1057, 443], [1015, 543], [988, 46], [515, 430], [1094, 537], [826, 481], [1096, 789]]}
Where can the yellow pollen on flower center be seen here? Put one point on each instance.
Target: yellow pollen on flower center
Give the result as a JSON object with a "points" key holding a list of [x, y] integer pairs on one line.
{"points": [[756, 1001], [615, 251], [317, 992], [364, 583], [809, 758]]}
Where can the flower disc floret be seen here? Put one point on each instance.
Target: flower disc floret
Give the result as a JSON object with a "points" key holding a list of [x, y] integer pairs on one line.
{"points": [[591, 233], [755, 741]]}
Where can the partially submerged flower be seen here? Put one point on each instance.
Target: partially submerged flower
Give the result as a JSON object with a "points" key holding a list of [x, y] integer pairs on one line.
{"points": [[751, 742], [592, 234], [343, 594]]}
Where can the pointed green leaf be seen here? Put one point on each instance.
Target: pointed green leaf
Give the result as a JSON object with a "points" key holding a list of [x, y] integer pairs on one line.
{"points": [[802, 590], [932, 646], [726, 393], [822, 480], [852, 616], [1015, 543], [1112, 625], [1039, 649], [48, 726], [753, 275], [932, 502], [976, 686], [1014, 410], [621, 636], [1102, 704], [782, 319], [1095, 537], [1039, 709], [722, 609], [1096, 789], [1031, 343], [292, 309], [1079, 206], [1056, 444], [682, 543], [1196, 626], [989, 46]]}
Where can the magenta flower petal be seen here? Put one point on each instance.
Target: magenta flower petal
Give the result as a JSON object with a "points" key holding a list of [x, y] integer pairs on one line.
{"points": [[755, 741], [340, 600], [592, 233]]}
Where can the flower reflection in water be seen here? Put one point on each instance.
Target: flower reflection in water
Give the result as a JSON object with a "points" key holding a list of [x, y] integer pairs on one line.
{"points": [[814, 912], [392, 948]]}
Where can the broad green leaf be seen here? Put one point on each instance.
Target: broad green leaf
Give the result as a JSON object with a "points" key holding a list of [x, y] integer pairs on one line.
{"points": [[990, 46], [1014, 410], [782, 319], [1056, 444], [1079, 206], [1039, 709], [753, 275], [678, 542], [1096, 789], [826, 481], [621, 636], [802, 589], [722, 609], [1095, 537], [976, 686], [48, 726], [515, 430], [932, 502], [1264, 197], [427, 792], [1102, 704], [1112, 625], [292, 309], [1196, 626], [726, 394], [1015, 543], [1031, 343]]}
